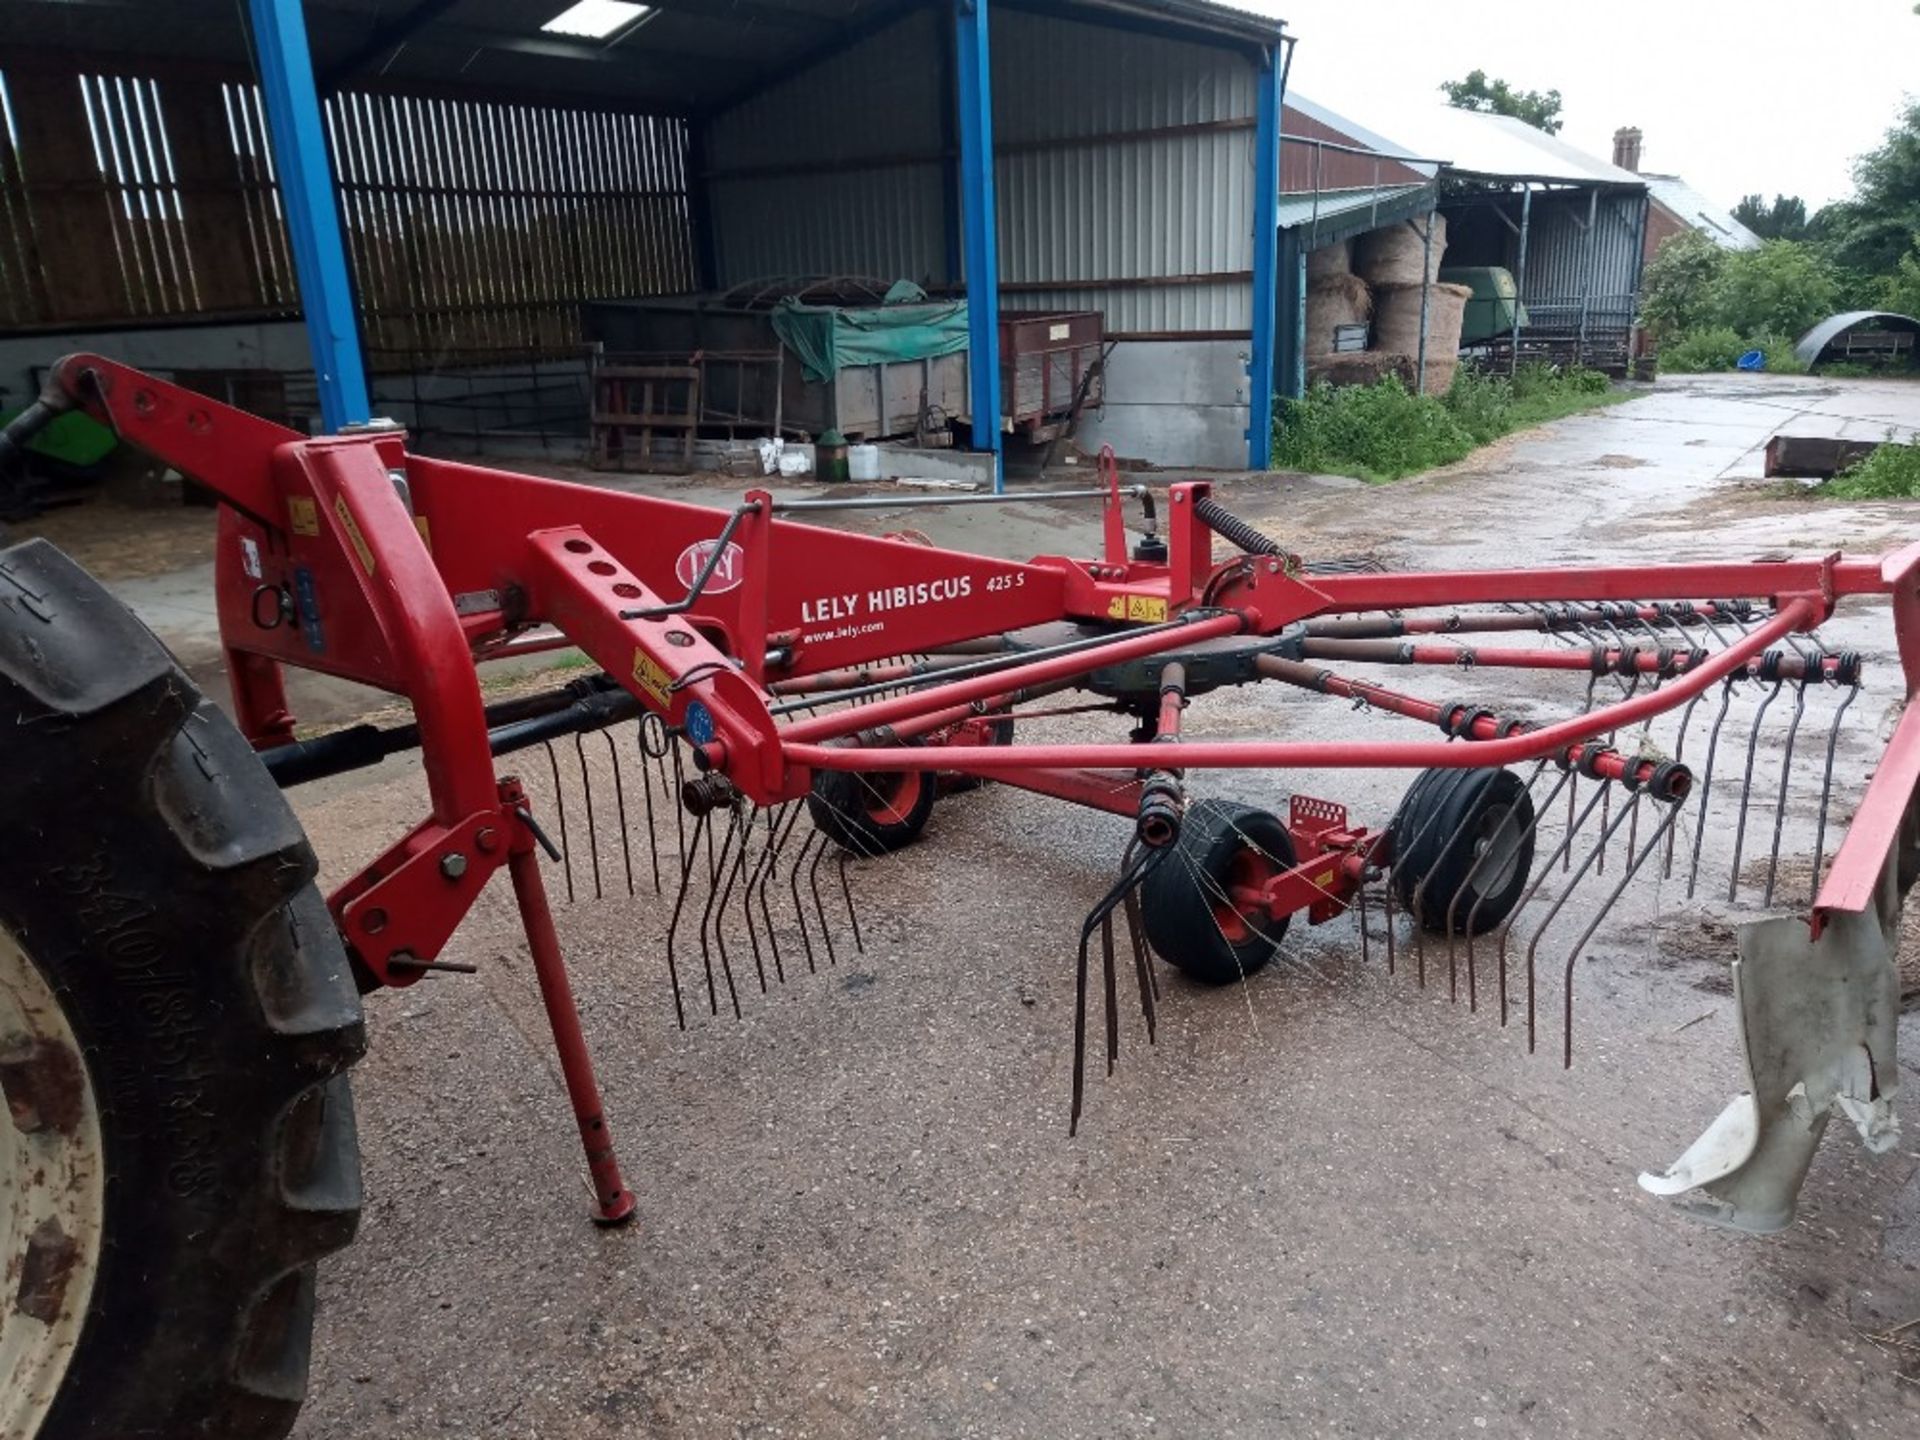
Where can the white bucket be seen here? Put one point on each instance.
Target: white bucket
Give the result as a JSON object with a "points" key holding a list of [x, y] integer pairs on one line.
{"points": [[863, 462]]}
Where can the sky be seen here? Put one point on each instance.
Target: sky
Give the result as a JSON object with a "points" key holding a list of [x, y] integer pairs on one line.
{"points": [[1737, 96]]}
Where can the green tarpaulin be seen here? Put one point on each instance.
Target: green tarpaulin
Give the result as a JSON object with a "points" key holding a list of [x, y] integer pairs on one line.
{"points": [[829, 339]]}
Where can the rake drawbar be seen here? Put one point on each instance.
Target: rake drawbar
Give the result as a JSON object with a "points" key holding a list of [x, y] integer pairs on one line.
{"points": [[769, 666]]}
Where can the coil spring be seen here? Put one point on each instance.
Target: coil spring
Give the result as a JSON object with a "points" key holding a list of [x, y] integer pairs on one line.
{"points": [[1236, 531]]}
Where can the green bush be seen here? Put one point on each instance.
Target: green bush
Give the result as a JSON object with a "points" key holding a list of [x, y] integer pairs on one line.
{"points": [[1715, 347], [1676, 292], [1383, 431], [1782, 288], [1890, 473], [1379, 432]]}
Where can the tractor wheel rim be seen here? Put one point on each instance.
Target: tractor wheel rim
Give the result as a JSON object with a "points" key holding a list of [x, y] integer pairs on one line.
{"points": [[1237, 926], [892, 794], [1496, 849], [52, 1192]]}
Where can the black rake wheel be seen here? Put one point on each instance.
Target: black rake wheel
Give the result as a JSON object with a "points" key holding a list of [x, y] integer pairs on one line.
{"points": [[1463, 848], [872, 812], [1194, 904]]}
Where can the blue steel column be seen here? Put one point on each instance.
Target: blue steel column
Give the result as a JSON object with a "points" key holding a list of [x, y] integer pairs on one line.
{"points": [[298, 135], [1266, 236], [973, 94]]}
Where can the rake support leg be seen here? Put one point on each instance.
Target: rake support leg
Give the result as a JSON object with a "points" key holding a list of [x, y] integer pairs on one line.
{"points": [[613, 1202]]}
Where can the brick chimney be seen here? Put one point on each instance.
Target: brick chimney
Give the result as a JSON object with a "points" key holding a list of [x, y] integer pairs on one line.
{"points": [[1626, 148]]}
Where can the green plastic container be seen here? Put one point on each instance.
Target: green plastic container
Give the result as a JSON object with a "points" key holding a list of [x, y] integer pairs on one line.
{"points": [[1495, 302]]}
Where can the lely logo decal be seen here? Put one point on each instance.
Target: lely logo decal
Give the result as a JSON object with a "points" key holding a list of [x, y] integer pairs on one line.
{"points": [[726, 576]]}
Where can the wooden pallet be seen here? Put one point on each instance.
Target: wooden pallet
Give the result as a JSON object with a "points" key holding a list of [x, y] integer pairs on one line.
{"points": [[645, 417]]}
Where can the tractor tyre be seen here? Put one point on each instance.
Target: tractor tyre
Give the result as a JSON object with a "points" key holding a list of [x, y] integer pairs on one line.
{"points": [[1187, 907], [1463, 847], [177, 1017], [872, 812]]}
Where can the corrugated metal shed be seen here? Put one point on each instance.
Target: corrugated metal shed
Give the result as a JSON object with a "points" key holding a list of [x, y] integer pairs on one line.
{"points": [[804, 182], [1125, 177]]}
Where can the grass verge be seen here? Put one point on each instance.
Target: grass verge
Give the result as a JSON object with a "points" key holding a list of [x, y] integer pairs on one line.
{"points": [[1890, 473], [1384, 432]]}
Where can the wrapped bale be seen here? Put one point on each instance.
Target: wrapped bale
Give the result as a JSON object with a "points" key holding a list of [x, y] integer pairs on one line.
{"points": [[1396, 319], [1398, 254], [1332, 301], [1334, 259], [1362, 367]]}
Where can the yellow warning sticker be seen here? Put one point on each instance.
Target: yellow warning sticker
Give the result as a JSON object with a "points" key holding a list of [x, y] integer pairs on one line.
{"points": [[1324, 882], [303, 516], [654, 681], [1117, 608], [354, 537], [1150, 608]]}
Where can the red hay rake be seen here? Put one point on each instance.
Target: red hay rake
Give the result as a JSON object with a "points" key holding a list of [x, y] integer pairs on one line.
{"points": [[771, 669]]}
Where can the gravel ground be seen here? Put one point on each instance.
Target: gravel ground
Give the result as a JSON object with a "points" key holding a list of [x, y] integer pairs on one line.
{"points": [[1327, 1202]]}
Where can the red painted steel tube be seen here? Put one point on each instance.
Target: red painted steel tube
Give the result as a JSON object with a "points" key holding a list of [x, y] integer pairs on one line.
{"points": [[1607, 764], [1848, 575], [1855, 872], [1469, 622], [886, 712], [1331, 755], [612, 1200]]}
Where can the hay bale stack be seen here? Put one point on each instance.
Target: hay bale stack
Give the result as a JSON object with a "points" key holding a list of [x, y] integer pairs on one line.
{"points": [[1334, 259], [1440, 373], [1396, 319], [1394, 255], [1335, 300], [1361, 367]]}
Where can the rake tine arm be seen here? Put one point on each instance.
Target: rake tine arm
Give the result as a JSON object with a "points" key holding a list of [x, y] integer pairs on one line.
{"points": [[586, 792], [1786, 773], [1746, 792], [1826, 790], [620, 807], [1635, 861], [560, 811], [1560, 902]]}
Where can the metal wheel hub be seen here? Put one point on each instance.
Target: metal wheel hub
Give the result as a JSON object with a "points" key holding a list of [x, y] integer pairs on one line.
{"points": [[52, 1192]]}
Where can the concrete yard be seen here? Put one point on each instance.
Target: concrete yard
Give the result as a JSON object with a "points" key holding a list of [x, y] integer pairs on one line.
{"points": [[1328, 1202]]}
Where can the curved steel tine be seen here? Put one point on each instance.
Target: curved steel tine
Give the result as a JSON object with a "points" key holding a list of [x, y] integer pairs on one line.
{"points": [[1746, 793], [1113, 993], [1634, 862], [646, 788], [673, 930], [726, 893], [1513, 918], [1679, 754], [820, 909], [793, 884], [1453, 905], [586, 791], [1826, 793], [1786, 773], [1419, 906], [620, 807], [560, 811], [1607, 804], [1142, 962], [1565, 895], [1566, 862], [1101, 910], [674, 799], [1706, 783], [706, 915], [1566, 777], [780, 822], [1455, 781], [853, 918]]}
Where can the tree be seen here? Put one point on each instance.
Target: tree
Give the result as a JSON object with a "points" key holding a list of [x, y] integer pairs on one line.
{"points": [[1875, 228], [1677, 289], [1785, 219], [1541, 109], [1780, 289]]}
